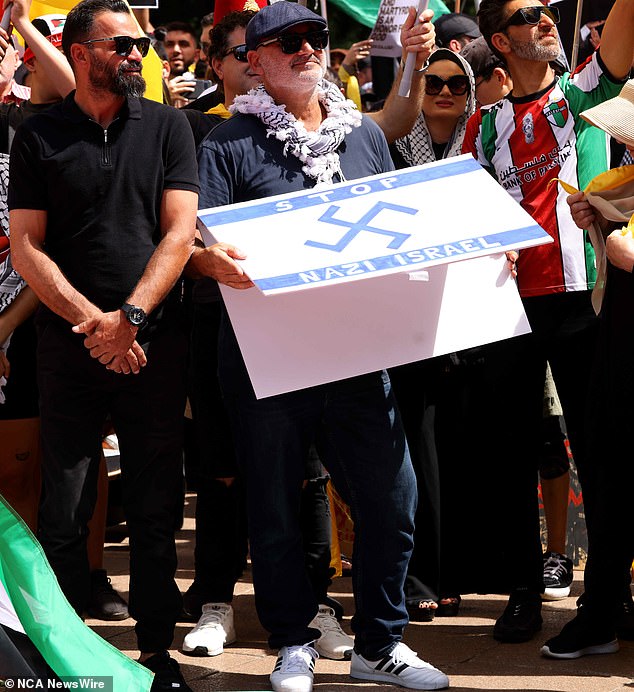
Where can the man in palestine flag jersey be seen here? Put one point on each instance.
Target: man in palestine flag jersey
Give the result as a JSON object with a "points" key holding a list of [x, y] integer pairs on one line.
{"points": [[526, 140]]}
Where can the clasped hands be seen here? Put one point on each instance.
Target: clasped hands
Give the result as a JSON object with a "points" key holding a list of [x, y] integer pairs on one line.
{"points": [[111, 339]]}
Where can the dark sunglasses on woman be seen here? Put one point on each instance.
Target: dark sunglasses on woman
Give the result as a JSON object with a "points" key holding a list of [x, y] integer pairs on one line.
{"points": [[458, 84]]}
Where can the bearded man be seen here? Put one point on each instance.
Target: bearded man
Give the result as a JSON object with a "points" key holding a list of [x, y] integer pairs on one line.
{"points": [[527, 139], [103, 201], [320, 138]]}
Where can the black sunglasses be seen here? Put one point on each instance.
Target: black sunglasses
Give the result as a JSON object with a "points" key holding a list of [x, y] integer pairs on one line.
{"points": [[292, 43], [458, 84], [531, 15], [123, 45], [238, 52]]}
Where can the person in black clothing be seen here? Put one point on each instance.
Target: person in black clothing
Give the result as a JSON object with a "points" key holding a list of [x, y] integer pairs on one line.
{"points": [[102, 228]]}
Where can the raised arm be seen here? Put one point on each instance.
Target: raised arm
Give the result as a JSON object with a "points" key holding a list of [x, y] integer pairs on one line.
{"points": [[617, 39], [398, 115], [49, 57]]}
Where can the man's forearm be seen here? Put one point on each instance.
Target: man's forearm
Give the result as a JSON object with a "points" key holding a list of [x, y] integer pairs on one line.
{"points": [[161, 273], [51, 286], [178, 226]]}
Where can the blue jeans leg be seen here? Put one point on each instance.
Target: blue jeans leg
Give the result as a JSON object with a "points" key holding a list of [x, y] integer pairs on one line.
{"points": [[362, 444], [272, 438]]}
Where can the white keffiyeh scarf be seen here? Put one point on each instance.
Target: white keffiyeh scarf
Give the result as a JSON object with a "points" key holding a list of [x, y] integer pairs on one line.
{"points": [[316, 150]]}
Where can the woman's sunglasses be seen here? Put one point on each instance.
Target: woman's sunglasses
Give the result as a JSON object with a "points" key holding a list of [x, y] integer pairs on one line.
{"points": [[238, 52], [531, 15], [458, 84], [292, 43], [123, 45]]}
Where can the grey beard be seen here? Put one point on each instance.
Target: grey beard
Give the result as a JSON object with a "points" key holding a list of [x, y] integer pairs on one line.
{"points": [[528, 50]]}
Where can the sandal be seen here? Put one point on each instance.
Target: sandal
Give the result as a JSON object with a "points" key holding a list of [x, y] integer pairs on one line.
{"points": [[448, 607], [424, 611]]}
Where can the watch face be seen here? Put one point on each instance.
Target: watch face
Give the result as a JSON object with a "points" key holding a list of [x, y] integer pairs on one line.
{"points": [[136, 316]]}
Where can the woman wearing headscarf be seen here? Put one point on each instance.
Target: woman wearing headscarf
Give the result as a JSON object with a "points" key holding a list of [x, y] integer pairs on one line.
{"points": [[424, 399]]}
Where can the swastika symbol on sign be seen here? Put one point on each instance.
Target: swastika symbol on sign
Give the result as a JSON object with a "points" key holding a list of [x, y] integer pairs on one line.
{"points": [[361, 225]]}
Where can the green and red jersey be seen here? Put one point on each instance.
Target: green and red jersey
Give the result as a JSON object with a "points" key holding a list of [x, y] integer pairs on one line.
{"points": [[528, 142]]}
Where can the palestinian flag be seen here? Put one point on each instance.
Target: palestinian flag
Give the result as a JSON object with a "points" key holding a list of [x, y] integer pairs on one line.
{"points": [[37, 624]]}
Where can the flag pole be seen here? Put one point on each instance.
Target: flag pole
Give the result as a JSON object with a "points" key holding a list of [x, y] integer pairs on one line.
{"points": [[406, 82], [575, 42]]}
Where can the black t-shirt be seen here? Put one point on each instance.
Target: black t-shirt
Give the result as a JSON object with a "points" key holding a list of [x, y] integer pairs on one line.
{"points": [[102, 189], [201, 123]]}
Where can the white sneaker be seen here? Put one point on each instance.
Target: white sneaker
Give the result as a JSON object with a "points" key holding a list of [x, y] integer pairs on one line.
{"points": [[213, 631], [334, 643], [293, 670], [401, 667]]}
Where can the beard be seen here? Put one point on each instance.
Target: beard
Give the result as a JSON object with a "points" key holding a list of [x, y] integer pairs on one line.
{"points": [[534, 50], [119, 83]]}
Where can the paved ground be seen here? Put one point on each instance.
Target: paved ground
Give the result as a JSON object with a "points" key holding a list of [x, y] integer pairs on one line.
{"points": [[462, 647]]}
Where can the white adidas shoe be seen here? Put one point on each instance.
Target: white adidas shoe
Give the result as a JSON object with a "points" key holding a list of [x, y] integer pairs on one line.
{"points": [[400, 667], [334, 643], [213, 632], [293, 670]]}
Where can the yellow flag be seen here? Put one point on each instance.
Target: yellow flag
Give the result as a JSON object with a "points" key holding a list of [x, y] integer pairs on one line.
{"points": [[152, 67]]}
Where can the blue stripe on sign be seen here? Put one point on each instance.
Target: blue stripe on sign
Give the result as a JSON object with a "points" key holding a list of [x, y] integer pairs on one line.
{"points": [[418, 257], [391, 181]]}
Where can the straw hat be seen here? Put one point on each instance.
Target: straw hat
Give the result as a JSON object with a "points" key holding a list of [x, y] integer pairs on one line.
{"points": [[615, 116]]}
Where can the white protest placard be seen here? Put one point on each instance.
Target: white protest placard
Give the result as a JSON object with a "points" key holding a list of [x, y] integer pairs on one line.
{"points": [[369, 275], [383, 224], [386, 34]]}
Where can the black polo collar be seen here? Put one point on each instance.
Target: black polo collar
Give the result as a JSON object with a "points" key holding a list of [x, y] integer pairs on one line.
{"points": [[131, 109]]}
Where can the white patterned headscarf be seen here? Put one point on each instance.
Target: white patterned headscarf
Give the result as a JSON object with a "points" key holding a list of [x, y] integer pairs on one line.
{"points": [[417, 147], [316, 150]]}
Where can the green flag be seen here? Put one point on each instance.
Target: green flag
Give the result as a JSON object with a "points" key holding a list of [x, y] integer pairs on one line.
{"points": [[68, 646], [366, 11]]}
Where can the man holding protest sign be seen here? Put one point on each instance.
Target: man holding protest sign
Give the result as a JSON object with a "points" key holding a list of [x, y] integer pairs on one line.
{"points": [[526, 140], [354, 423]]}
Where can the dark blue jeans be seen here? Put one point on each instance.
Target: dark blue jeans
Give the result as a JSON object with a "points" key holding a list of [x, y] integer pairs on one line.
{"points": [[359, 438]]}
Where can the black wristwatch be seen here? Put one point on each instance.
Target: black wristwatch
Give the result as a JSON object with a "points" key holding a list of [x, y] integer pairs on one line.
{"points": [[136, 316]]}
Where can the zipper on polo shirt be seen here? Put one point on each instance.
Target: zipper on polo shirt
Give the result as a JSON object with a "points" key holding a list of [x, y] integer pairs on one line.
{"points": [[105, 156]]}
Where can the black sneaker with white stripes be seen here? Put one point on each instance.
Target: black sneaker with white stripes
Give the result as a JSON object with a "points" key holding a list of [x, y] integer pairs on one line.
{"points": [[558, 576], [400, 667], [293, 670]]}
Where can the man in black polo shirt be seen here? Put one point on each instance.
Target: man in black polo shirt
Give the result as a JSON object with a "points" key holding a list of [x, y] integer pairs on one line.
{"points": [[103, 198]]}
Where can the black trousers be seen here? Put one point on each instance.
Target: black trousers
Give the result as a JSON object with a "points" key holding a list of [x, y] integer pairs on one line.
{"points": [[76, 395], [564, 333], [611, 471]]}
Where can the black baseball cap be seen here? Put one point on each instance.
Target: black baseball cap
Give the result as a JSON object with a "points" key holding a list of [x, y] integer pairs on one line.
{"points": [[481, 58], [273, 20], [453, 25]]}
